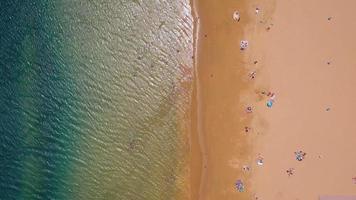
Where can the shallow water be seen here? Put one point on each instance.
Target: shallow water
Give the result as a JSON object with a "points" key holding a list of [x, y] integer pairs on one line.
{"points": [[91, 97]]}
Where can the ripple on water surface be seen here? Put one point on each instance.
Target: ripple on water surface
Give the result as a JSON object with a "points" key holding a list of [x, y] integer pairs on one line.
{"points": [[91, 95]]}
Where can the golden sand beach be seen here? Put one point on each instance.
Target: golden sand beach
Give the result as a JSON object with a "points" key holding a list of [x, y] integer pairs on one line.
{"points": [[303, 52], [219, 82]]}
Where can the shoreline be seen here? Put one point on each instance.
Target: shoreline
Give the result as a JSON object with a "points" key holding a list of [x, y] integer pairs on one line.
{"points": [[197, 148]]}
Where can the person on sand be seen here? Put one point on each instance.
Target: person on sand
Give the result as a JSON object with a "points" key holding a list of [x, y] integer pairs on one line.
{"points": [[243, 44], [252, 75], [246, 168], [236, 16], [270, 94], [249, 109], [256, 197], [269, 27], [290, 171], [300, 155], [257, 10], [354, 179], [239, 185], [260, 160]]}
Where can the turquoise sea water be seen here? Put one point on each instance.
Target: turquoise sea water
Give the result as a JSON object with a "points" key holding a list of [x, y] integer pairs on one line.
{"points": [[90, 98]]}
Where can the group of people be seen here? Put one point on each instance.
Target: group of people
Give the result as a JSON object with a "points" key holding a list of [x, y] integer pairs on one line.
{"points": [[299, 155]]}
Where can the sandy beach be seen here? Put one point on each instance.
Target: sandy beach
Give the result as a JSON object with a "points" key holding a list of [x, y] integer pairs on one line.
{"points": [[303, 53], [219, 83]]}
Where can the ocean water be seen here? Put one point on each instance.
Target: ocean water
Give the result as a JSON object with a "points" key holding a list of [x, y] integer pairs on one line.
{"points": [[91, 98]]}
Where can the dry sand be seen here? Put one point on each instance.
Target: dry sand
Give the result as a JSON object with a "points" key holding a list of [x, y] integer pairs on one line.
{"points": [[294, 57], [292, 62]]}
